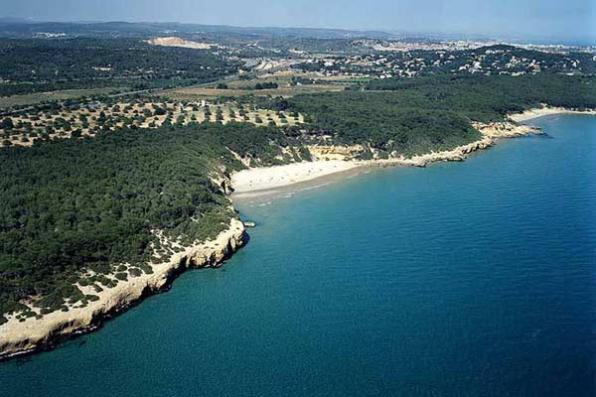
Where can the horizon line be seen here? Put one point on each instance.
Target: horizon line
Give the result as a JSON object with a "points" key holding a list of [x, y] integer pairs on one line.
{"points": [[586, 41]]}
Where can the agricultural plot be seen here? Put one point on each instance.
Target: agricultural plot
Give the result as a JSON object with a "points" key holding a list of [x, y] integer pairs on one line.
{"points": [[90, 119], [284, 84]]}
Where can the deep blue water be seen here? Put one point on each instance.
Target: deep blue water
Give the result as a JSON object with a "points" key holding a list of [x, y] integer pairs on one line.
{"points": [[462, 279]]}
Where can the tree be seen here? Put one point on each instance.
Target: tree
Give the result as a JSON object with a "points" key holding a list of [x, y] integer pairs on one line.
{"points": [[7, 124], [159, 111]]}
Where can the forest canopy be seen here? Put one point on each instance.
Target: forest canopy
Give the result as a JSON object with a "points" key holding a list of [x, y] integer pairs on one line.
{"points": [[74, 205], [412, 116], [45, 65]]}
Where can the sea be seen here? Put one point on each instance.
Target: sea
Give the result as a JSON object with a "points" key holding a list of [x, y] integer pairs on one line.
{"points": [[460, 279]]}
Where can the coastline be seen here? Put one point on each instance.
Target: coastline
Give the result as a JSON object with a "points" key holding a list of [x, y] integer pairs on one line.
{"points": [[269, 178], [266, 181], [36, 334], [24, 337], [262, 180], [546, 111], [330, 161]]}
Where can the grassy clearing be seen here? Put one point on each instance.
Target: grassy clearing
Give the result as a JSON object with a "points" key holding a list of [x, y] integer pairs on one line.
{"points": [[288, 85]]}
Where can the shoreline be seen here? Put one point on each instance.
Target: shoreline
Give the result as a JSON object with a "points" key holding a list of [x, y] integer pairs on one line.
{"points": [[261, 180], [535, 113], [332, 163], [19, 338], [266, 181]]}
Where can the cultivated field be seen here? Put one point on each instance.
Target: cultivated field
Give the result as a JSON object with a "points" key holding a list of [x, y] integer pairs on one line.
{"points": [[87, 120], [284, 84]]}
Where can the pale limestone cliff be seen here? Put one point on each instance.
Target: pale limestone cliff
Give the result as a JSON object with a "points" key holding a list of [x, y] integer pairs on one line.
{"points": [[504, 129], [334, 152], [20, 337]]}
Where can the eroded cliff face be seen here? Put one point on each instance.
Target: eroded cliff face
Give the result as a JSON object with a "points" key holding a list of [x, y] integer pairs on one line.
{"points": [[20, 337], [504, 129], [350, 153], [31, 334], [335, 152], [489, 131], [457, 154]]}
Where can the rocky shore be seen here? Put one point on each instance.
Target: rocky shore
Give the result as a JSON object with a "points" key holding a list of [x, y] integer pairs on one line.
{"points": [[33, 334], [19, 337], [329, 159]]}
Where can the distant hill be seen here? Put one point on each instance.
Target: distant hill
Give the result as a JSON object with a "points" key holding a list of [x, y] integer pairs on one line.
{"points": [[21, 28]]}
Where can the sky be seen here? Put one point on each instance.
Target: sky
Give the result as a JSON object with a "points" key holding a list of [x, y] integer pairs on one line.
{"points": [[562, 19]]}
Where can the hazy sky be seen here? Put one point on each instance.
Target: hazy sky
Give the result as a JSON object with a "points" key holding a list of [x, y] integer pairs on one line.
{"points": [[525, 18]]}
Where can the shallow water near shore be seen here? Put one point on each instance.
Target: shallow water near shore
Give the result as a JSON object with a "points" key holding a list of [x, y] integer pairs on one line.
{"points": [[461, 279]]}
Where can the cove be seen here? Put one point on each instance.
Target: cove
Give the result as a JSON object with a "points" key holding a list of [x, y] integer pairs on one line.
{"points": [[461, 279]]}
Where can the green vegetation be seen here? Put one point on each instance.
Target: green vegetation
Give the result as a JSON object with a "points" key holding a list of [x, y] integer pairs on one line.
{"points": [[54, 96], [413, 116], [266, 85], [489, 98], [72, 206], [28, 66], [98, 209]]}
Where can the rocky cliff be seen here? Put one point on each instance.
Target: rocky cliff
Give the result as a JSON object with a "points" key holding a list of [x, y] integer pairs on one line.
{"points": [[20, 337]]}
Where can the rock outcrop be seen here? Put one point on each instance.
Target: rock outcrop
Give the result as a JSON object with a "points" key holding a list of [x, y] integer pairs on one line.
{"points": [[504, 129], [21, 337]]}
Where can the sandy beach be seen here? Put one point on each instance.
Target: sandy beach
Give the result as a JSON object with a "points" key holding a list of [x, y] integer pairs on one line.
{"points": [[268, 178], [263, 180], [545, 111]]}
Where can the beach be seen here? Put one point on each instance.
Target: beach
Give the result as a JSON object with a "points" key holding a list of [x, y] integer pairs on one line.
{"points": [[264, 180], [19, 337], [546, 111], [389, 283], [337, 160], [267, 178]]}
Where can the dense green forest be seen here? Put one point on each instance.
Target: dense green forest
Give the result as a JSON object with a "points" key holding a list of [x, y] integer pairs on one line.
{"points": [[74, 205], [416, 115], [99, 210], [44, 65], [486, 98], [77, 204], [384, 123]]}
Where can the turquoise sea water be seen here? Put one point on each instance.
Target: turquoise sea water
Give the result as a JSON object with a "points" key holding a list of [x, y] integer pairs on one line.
{"points": [[462, 279]]}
